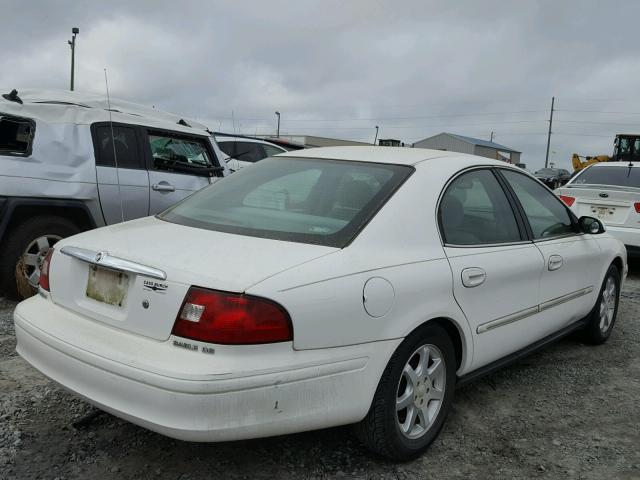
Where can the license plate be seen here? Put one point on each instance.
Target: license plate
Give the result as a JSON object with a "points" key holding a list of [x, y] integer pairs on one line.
{"points": [[107, 286], [602, 213]]}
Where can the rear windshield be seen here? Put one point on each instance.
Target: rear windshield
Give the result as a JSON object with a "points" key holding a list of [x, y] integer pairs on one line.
{"points": [[323, 202], [618, 176]]}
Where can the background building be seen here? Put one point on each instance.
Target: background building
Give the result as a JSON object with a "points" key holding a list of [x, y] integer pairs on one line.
{"points": [[474, 146]]}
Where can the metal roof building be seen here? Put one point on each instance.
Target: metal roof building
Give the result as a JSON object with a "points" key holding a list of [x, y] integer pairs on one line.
{"points": [[474, 146]]}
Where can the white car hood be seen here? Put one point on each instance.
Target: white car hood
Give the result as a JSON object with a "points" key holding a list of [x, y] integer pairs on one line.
{"points": [[194, 256]]}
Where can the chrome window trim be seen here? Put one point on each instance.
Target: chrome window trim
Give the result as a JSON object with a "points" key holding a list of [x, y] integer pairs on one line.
{"points": [[103, 259], [442, 192], [527, 312], [488, 245]]}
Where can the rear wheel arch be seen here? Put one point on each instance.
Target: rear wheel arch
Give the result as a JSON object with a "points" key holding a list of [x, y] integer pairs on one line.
{"points": [[75, 213], [454, 331], [26, 220]]}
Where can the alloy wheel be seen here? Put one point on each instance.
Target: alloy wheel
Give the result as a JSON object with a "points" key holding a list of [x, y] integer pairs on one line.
{"points": [[608, 304], [33, 256], [420, 392]]}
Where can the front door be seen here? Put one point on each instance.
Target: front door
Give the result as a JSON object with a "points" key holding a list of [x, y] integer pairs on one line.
{"points": [[123, 181], [173, 160], [570, 281], [496, 270]]}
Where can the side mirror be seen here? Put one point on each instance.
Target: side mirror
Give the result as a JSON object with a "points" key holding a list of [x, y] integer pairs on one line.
{"points": [[590, 225]]}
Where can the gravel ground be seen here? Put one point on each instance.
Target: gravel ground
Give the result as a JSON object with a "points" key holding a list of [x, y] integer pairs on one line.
{"points": [[569, 411]]}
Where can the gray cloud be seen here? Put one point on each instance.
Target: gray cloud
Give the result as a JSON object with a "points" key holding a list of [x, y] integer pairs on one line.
{"points": [[339, 68]]}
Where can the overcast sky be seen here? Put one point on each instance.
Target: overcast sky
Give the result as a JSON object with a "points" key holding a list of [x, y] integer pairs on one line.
{"points": [[338, 68]]}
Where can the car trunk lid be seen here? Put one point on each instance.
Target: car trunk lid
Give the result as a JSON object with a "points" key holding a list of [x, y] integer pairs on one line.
{"points": [[134, 276], [611, 205]]}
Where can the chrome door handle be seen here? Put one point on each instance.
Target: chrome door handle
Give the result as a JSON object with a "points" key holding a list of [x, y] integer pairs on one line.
{"points": [[472, 277], [555, 262], [163, 187]]}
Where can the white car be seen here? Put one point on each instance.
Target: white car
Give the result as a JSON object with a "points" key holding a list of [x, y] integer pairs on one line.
{"points": [[610, 192], [318, 288], [245, 151]]}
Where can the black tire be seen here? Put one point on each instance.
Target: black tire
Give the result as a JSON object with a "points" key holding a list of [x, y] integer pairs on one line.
{"points": [[15, 243], [598, 331], [379, 430]]}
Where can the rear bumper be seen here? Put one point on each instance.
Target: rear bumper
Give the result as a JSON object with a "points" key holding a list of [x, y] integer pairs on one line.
{"points": [[629, 236], [309, 390]]}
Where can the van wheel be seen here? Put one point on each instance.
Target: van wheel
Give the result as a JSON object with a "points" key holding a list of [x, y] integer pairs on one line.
{"points": [[24, 249], [413, 397], [603, 315]]}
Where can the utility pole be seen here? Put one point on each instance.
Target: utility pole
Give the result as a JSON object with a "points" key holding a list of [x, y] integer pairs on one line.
{"points": [[376, 139], [74, 31], [278, 131], [546, 159], [492, 135]]}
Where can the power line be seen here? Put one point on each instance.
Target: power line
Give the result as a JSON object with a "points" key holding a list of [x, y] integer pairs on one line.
{"points": [[600, 123], [599, 111]]}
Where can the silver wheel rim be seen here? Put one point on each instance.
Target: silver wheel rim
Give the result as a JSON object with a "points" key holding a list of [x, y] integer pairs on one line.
{"points": [[607, 304], [31, 259], [420, 391]]}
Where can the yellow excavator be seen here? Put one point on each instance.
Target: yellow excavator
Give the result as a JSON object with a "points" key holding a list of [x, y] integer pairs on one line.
{"points": [[626, 147]]}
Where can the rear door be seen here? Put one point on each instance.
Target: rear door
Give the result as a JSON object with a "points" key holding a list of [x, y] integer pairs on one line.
{"points": [[123, 181], [173, 160], [496, 269], [569, 280]]}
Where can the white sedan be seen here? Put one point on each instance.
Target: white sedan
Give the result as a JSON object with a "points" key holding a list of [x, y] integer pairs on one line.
{"points": [[609, 191], [331, 286]]}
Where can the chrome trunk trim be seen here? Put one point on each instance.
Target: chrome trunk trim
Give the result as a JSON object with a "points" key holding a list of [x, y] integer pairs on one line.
{"points": [[103, 259]]}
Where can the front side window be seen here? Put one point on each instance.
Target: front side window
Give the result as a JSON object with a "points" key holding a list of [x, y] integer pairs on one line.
{"points": [[270, 150], [323, 202], [474, 210], [126, 152], [546, 214], [172, 152], [16, 136], [249, 152], [228, 148]]}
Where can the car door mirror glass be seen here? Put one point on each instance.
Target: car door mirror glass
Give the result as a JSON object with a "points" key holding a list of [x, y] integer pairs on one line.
{"points": [[591, 225]]}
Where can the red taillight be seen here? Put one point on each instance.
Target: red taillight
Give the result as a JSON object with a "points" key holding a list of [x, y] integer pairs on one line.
{"points": [[637, 207], [229, 318], [44, 271], [567, 200]]}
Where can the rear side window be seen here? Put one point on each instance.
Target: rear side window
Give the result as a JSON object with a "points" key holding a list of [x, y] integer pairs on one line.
{"points": [[16, 136], [605, 175], [546, 214], [317, 201], [126, 152], [474, 210]]}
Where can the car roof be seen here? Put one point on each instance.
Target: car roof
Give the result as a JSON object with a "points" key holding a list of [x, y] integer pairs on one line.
{"points": [[59, 106], [392, 155], [226, 138], [614, 164]]}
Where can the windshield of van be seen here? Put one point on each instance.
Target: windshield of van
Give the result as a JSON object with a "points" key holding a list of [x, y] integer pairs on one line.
{"points": [[318, 201], [607, 175]]}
